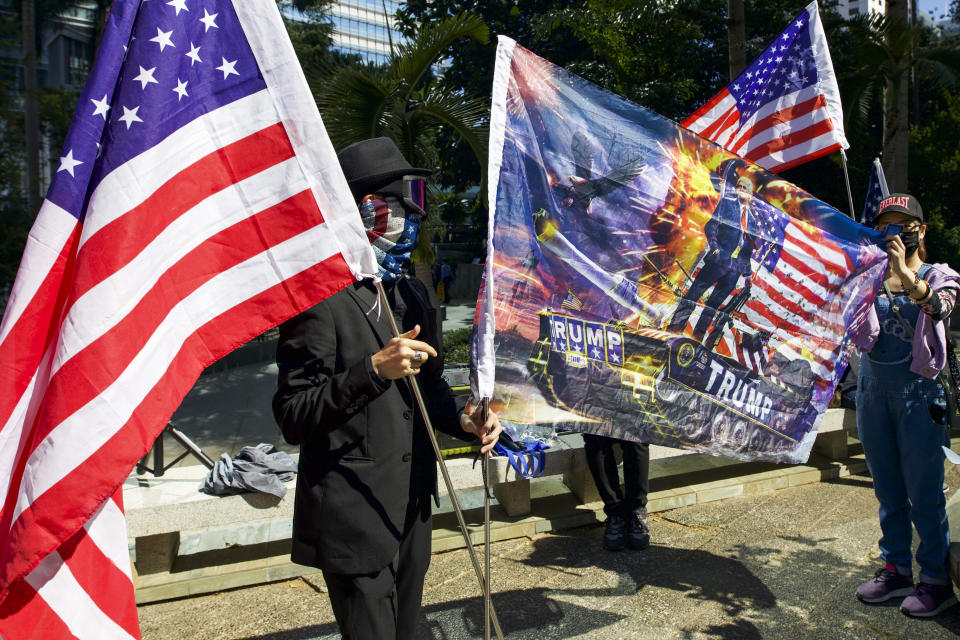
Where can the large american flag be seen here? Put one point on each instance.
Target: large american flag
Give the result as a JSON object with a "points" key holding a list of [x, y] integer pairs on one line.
{"points": [[784, 109], [197, 202]]}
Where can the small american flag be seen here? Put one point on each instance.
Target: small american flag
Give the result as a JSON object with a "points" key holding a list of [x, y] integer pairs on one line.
{"points": [[876, 191], [197, 203], [784, 109], [572, 302]]}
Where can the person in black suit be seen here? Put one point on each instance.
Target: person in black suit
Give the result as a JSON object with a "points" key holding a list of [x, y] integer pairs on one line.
{"points": [[731, 240], [367, 471]]}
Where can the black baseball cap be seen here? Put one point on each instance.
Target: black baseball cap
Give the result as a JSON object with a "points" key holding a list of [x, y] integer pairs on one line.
{"points": [[900, 203]]}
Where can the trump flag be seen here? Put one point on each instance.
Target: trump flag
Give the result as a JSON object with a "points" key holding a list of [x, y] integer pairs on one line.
{"points": [[646, 284], [784, 109], [197, 202]]}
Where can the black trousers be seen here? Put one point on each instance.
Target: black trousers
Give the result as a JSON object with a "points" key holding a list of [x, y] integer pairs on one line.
{"points": [[385, 605], [723, 279], [603, 468]]}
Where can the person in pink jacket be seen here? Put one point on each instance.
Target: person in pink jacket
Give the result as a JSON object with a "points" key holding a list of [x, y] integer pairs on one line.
{"points": [[901, 415]]}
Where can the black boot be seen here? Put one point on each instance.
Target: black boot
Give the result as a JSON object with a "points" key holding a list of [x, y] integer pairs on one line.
{"points": [[615, 535], [638, 533]]}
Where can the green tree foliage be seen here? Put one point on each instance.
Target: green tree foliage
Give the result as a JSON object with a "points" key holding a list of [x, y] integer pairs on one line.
{"points": [[405, 101], [884, 50], [635, 48], [935, 164], [456, 345], [468, 63], [668, 55]]}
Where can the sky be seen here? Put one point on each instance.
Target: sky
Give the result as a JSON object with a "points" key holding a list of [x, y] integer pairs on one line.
{"points": [[935, 8]]}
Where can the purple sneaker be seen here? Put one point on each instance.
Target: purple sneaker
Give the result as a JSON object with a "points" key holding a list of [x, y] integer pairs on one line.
{"points": [[928, 600], [886, 584]]}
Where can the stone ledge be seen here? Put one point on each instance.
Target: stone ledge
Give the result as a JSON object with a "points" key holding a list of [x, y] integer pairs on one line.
{"points": [[551, 513], [173, 502]]}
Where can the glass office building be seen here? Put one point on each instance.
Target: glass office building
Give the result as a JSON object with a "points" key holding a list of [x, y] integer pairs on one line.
{"points": [[365, 27]]}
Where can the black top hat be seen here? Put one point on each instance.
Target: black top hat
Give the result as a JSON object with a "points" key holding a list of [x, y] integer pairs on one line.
{"points": [[370, 165], [901, 203]]}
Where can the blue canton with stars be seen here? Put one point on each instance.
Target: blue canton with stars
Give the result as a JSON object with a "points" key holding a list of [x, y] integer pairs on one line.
{"points": [[786, 66], [876, 190], [161, 64]]}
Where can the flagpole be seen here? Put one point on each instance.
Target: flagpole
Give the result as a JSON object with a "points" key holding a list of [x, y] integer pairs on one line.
{"points": [[846, 178], [415, 387], [487, 610]]}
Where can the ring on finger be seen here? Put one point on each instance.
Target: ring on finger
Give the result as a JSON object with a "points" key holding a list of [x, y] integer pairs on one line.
{"points": [[417, 357]]}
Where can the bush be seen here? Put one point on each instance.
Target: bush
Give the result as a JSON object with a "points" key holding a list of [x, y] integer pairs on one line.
{"points": [[456, 346]]}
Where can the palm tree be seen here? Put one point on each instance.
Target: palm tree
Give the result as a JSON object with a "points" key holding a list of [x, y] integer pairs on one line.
{"points": [[405, 100], [885, 50]]}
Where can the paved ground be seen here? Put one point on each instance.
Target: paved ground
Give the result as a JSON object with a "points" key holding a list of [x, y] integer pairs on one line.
{"points": [[776, 565]]}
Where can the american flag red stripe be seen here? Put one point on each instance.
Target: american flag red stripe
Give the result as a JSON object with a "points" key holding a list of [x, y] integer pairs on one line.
{"points": [[125, 237], [82, 378], [775, 119], [784, 109], [84, 589], [22, 345], [232, 326], [218, 229], [791, 141]]}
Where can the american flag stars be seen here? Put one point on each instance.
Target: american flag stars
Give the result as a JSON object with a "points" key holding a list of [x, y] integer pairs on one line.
{"points": [[130, 116], [181, 89], [68, 163], [209, 21], [179, 5], [101, 107], [146, 77], [228, 68], [163, 39], [174, 49], [194, 54]]}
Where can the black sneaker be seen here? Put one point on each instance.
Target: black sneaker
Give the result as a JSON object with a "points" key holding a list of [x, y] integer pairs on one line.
{"points": [[615, 535], [638, 533]]}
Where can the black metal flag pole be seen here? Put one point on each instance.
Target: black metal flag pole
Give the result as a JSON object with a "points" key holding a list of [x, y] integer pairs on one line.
{"points": [[443, 470], [846, 179]]}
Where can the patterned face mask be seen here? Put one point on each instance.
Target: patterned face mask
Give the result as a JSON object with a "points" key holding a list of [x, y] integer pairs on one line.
{"points": [[393, 232]]}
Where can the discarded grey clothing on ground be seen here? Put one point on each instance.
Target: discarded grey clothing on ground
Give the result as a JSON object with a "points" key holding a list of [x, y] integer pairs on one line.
{"points": [[261, 468]]}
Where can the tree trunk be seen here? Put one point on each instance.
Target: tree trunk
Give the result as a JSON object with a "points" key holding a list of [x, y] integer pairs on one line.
{"points": [[896, 112], [736, 38], [30, 107]]}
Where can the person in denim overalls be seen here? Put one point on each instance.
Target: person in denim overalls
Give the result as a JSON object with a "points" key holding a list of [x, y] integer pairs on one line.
{"points": [[901, 416]]}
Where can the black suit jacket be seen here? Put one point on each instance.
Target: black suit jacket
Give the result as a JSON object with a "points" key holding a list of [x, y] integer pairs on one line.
{"points": [[725, 234], [365, 460]]}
